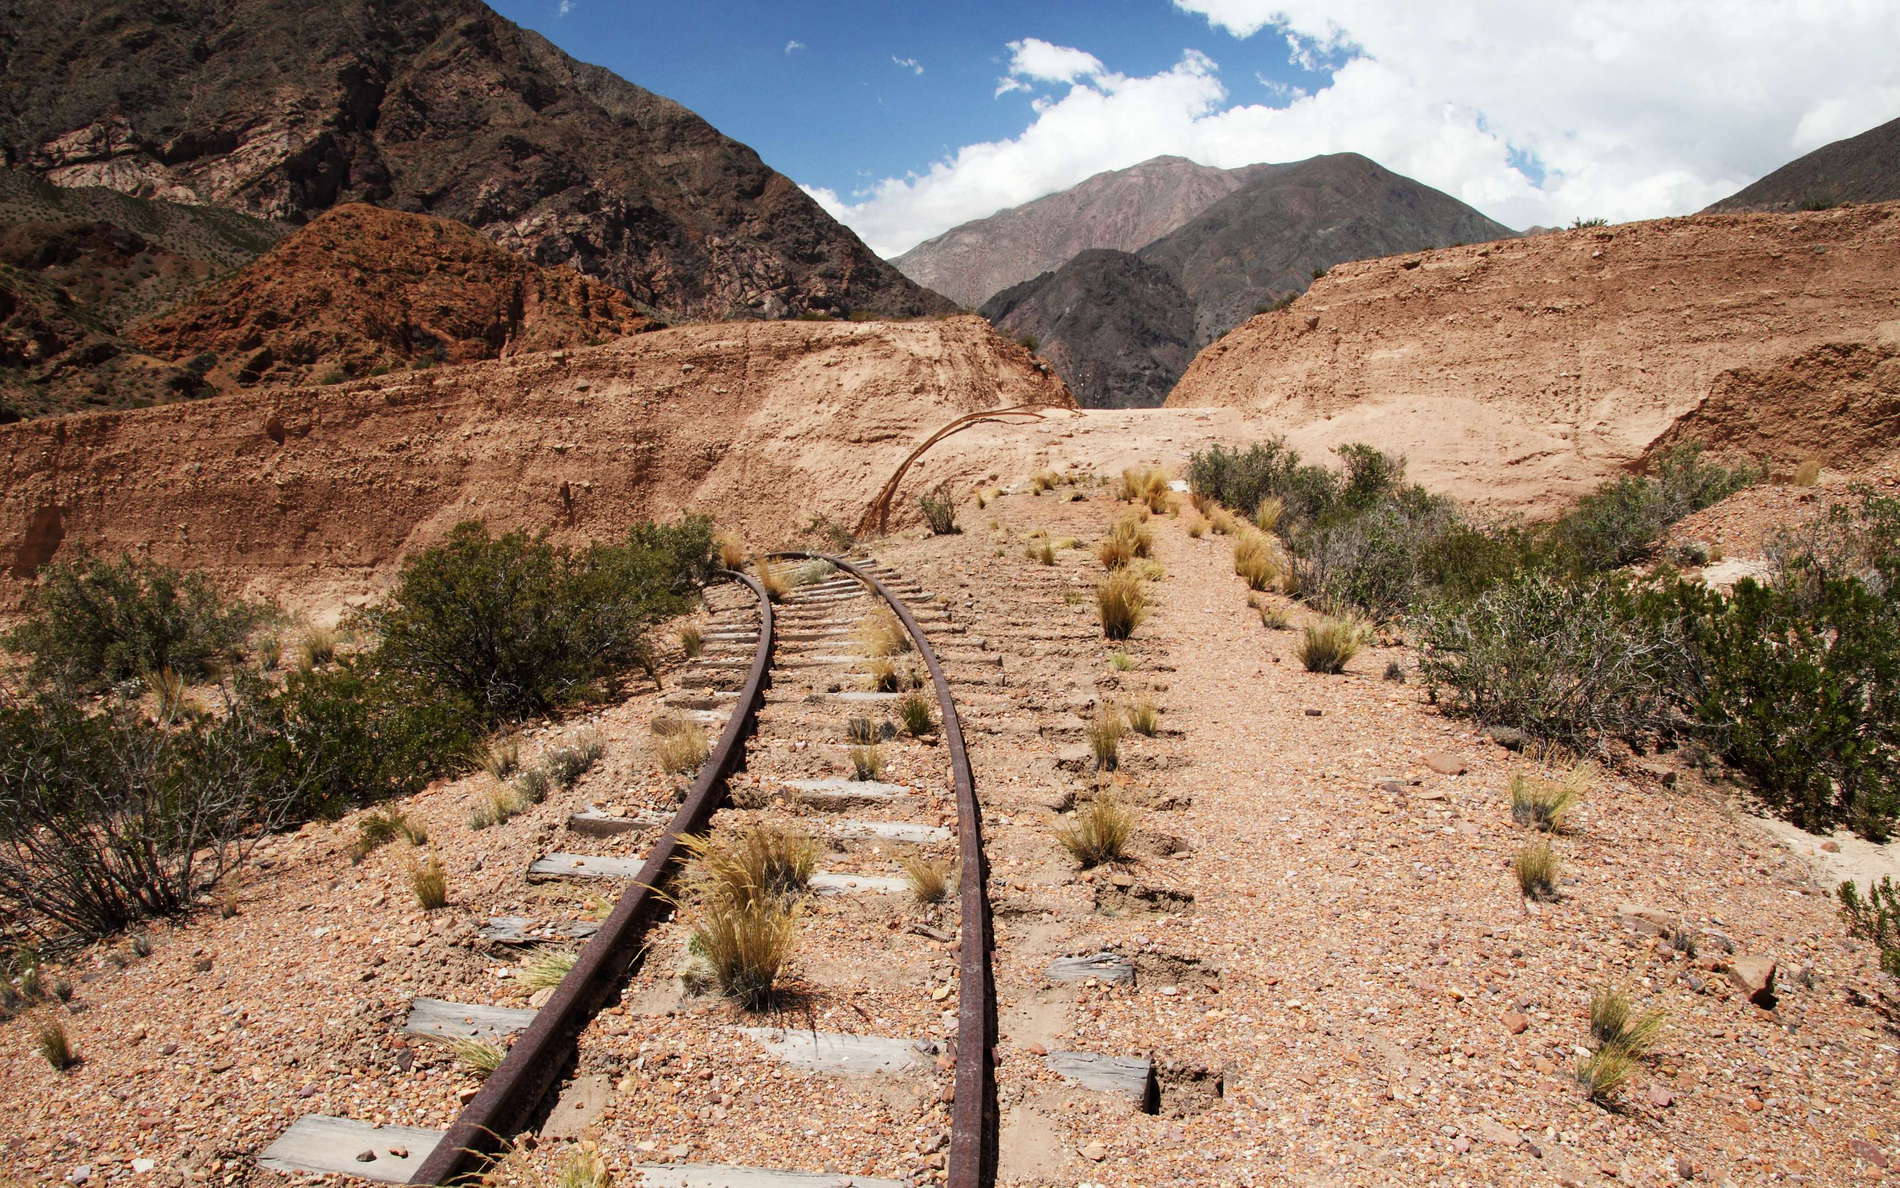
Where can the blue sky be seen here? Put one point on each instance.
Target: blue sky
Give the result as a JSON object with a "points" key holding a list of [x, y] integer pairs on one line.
{"points": [[844, 110], [906, 119]]}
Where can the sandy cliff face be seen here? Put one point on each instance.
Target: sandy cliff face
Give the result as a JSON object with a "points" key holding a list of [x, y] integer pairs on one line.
{"points": [[1522, 372], [320, 491]]}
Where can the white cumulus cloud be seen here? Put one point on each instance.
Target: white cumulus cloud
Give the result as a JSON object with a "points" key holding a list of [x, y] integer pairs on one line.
{"points": [[910, 64], [1626, 108], [793, 46]]}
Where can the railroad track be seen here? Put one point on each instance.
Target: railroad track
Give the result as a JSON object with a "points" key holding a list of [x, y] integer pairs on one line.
{"points": [[774, 680]]}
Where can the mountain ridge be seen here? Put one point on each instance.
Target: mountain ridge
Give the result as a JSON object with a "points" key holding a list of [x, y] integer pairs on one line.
{"points": [[1863, 168]]}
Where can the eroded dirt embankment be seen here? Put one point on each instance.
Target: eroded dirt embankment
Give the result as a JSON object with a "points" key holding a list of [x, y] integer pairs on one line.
{"points": [[1523, 372], [314, 492]]}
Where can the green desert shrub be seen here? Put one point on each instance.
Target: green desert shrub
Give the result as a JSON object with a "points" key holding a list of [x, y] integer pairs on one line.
{"points": [[1623, 521], [95, 622], [516, 625], [1875, 916], [940, 510]]}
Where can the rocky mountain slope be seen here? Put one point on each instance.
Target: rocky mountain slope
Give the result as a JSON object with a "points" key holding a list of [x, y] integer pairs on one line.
{"points": [[283, 110], [1265, 242], [77, 267], [320, 490], [1522, 372], [360, 290], [1864, 168], [1256, 247], [1117, 329], [1123, 209]]}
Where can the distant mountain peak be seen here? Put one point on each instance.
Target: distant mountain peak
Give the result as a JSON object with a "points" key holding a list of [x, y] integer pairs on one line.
{"points": [[1863, 168]]}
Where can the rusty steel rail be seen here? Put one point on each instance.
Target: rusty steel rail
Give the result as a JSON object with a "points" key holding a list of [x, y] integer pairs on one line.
{"points": [[516, 1090], [973, 1117]]}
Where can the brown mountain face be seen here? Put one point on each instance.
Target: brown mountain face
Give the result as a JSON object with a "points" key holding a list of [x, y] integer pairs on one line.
{"points": [[1268, 241], [1117, 329], [1123, 209], [1521, 373], [361, 290], [311, 492], [283, 109], [77, 266], [1864, 168]]}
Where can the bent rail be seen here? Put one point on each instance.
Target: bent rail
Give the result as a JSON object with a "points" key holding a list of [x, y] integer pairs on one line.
{"points": [[973, 1119], [515, 1090], [876, 519]]}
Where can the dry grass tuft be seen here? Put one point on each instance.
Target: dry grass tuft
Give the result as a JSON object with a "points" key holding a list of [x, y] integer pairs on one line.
{"points": [[1100, 833], [761, 861], [882, 634], [1224, 522], [929, 879], [1197, 527], [692, 641], [1121, 661], [317, 647], [1808, 473], [55, 1046], [1266, 516], [1542, 803], [772, 576], [732, 551], [1275, 618], [862, 732], [430, 883], [1257, 560], [913, 714], [1121, 600], [1536, 868], [378, 828], [1144, 718], [1041, 552], [499, 755], [546, 968], [1330, 644], [743, 947], [1604, 1073], [1044, 480], [681, 750], [867, 763], [1614, 1022], [1127, 540], [1105, 732], [477, 1056]]}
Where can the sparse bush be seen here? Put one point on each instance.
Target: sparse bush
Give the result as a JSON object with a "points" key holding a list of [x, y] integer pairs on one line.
{"points": [[929, 879], [1330, 644], [1541, 803], [479, 1057], [940, 510], [531, 787], [692, 641], [867, 763], [95, 622], [1536, 868], [430, 883], [681, 751], [1875, 917], [1122, 603], [913, 712], [55, 1046], [1143, 718], [1105, 732], [517, 626], [1572, 662], [1100, 833]]}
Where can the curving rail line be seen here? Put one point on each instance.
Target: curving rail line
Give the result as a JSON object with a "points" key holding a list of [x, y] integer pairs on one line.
{"points": [[516, 1091]]}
